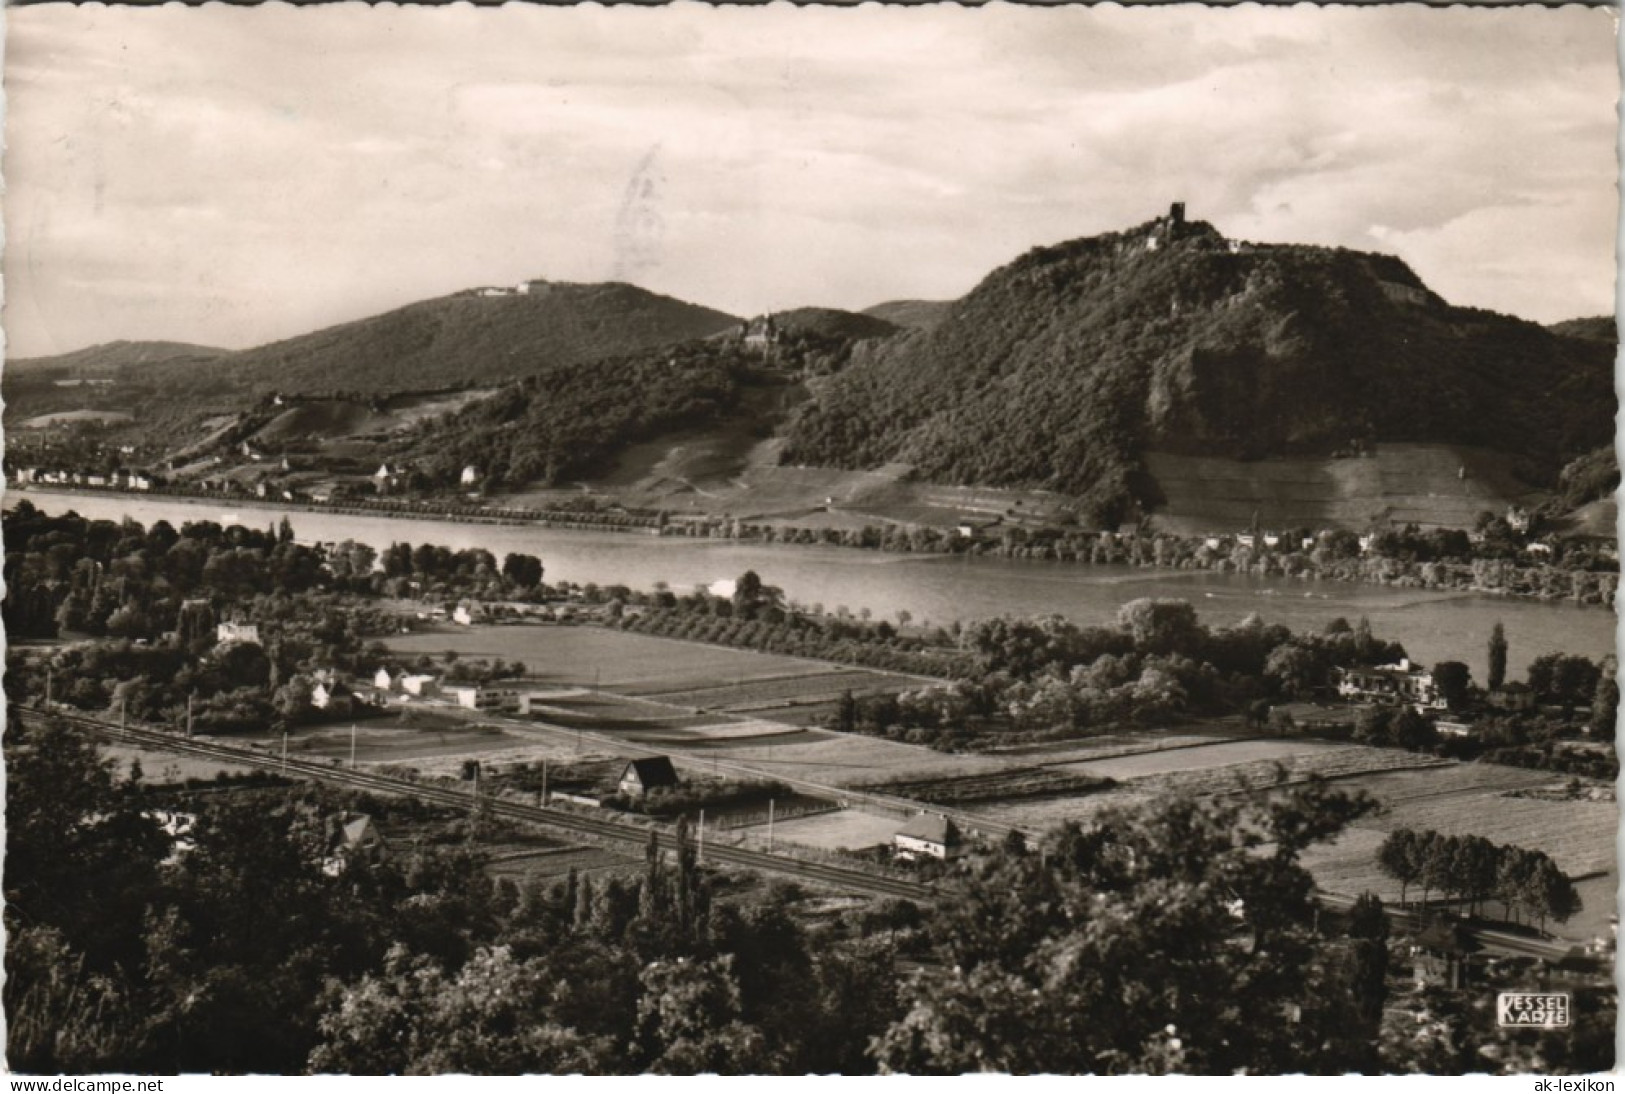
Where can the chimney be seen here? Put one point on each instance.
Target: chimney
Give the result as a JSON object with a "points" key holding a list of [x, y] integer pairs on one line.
{"points": [[1176, 214]]}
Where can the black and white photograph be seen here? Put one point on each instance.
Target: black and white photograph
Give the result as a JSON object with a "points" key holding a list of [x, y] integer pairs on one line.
{"points": [[765, 540]]}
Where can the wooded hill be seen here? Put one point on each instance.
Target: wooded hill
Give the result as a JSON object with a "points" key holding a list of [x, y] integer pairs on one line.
{"points": [[1062, 368], [470, 338]]}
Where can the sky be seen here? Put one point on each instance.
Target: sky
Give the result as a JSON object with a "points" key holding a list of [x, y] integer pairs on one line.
{"points": [[229, 176]]}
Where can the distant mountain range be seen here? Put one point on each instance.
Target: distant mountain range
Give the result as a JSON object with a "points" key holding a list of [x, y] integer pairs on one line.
{"points": [[115, 356], [1063, 371], [480, 336]]}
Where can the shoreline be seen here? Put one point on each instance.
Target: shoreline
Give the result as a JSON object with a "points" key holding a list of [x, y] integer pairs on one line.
{"points": [[636, 525]]}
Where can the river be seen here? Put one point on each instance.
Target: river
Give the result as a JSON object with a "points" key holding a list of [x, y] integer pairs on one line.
{"points": [[1434, 626]]}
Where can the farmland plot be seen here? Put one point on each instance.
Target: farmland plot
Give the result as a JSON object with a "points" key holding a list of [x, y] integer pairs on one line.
{"points": [[782, 691], [847, 830], [846, 759], [1202, 758], [1042, 814], [632, 663], [1329, 761]]}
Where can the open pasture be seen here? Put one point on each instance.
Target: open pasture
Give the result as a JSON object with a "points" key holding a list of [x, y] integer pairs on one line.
{"points": [[845, 830], [1041, 814], [380, 741], [782, 691], [848, 760], [1579, 835], [158, 768], [632, 664], [1329, 761], [522, 863], [1203, 756]]}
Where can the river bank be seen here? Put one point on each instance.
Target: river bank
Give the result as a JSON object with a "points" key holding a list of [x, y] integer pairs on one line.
{"points": [[934, 589]]}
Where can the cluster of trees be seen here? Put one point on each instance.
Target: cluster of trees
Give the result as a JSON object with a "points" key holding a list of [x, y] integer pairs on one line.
{"points": [[1046, 678], [431, 570], [567, 422], [123, 580], [756, 617], [1472, 869], [1154, 940]]}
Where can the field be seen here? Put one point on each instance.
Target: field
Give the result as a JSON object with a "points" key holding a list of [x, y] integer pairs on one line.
{"points": [[1329, 761], [1200, 755], [847, 830], [1010, 784], [777, 692], [633, 664], [166, 767], [1474, 799], [844, 760], [538, 860]]}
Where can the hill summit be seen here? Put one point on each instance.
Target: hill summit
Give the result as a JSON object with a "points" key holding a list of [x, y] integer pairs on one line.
{"points": [[1064, 368]]}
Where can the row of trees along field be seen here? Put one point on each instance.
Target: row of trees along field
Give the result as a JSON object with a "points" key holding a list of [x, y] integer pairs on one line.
{"points": [[1472, 869], [1150, 940]]}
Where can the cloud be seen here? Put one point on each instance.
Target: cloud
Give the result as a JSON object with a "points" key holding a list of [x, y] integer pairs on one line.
{"points": [[262, 171]]}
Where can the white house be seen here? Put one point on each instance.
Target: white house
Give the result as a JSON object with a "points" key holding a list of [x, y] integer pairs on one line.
{"points": [[930, 834], [237, 632], [383, 681], [422, 686], [470, 476]]}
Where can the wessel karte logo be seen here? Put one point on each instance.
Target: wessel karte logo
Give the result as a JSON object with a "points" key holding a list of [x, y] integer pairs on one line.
{"points": [[1537, 1010]]}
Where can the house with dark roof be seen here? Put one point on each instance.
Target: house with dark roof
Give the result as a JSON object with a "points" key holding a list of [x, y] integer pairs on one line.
{"points": [[1443, 953], [648, 773], [354, 836], [929, 834]]}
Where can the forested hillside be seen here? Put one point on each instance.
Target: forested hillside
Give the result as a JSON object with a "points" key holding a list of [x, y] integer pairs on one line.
{"points": [[1060, 369], [570, 420], [474, 338]]}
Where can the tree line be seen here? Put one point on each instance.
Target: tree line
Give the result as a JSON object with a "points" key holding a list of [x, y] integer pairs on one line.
{"points": [[1472, 869]]}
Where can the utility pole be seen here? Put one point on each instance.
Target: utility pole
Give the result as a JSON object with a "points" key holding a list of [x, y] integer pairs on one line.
{"points": [[189, 697], [770, 825], [352, 746], [47, 687], [544, 782], [474, 806], [699, 854]]}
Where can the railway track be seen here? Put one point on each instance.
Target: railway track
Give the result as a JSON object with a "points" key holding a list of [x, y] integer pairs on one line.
{"points": [[841, 877]]}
